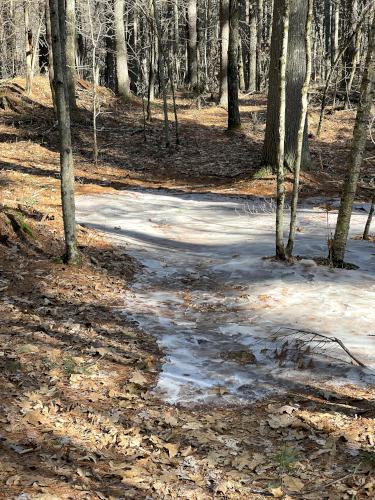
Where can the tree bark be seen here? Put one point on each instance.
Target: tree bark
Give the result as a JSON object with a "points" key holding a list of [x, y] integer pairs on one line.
{"points": [[162, 78], [335, 31], [234, 120], [122, 71], [327, 34], [259, 36], [281, 28], [349, 19], [192, 52], [28, 47], [50, 55], [241, 72], [224, 43], [295, 74], [57, 12], [358, 148], [252, 75], [302, 121], [366, 232], [110, 50], [71, 51]]}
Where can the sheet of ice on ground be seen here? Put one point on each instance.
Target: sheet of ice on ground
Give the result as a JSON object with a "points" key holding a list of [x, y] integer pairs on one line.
{"points": [[215, 304]]}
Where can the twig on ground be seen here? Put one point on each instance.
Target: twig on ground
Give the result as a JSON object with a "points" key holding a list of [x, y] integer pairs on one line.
{"points": [[320, 340]]}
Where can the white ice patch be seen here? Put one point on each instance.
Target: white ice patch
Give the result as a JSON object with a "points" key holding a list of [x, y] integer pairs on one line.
{"points": [[208, 295]]}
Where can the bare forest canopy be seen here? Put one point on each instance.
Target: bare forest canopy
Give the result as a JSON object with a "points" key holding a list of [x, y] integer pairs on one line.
{"points": [[193, 37]]}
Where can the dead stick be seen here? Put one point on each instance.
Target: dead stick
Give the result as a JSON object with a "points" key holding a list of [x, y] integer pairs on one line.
{"points": [[349, 353], [328, 339]]}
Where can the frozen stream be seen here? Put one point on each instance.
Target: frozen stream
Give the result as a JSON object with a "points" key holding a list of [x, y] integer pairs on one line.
{"points": [[215, 304]]}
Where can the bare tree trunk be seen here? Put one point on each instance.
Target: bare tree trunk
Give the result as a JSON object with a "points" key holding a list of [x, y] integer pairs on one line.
{"points": [[295, 74], [110, 62], [358, 148], [357, 46], [301, 129], [176, 36], [349, 19], [366, 232], [280, 39], [234, 120], [122, 72], [71, 51], [241, 73], [327, 34], [259, 35], [252, 75], [335, 31], [50, 56], [162, 78], [192, 75], [224, 43], [151, 78], [95, 78], [28, 46], [57, 12]]}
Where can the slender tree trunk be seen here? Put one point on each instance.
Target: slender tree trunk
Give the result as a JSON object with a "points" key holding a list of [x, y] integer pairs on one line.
{"points": [[162, 67], [280, 38], [34, 57], [358, 148], [241, 73], [122, 72], [110, 62], [304, 105], [192, 75], [71, 51], [327, 34], [234, 120], [176, 36], [50, 55], [335, 31], [151, 79], [57, 11], [252, 85], [366, 232], [82, 48], [95, 79], [224, 43], [28, 46], [259, 36]]}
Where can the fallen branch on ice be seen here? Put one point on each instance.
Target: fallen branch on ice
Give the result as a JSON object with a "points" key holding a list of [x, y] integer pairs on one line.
{"points": [[317, 340]]}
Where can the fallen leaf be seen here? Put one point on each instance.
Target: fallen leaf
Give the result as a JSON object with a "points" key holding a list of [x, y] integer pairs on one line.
{"points": [[138, 379], [276, 492], [281, 421], [292, 483], [258, 459], [172, 449], [171, 420], [35, 417]]}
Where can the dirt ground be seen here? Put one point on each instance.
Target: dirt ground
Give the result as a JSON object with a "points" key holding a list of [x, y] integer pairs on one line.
{"points": [[78, 417]]}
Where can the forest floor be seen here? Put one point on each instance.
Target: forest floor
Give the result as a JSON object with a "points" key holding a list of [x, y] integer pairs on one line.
{"points": [[79, 418]]}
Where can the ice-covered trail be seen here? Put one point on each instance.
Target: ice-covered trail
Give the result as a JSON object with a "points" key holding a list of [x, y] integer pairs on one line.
{"points": [[215, 304]]}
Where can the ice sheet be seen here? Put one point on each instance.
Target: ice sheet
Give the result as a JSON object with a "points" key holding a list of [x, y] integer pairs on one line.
{"points": [[209, 296]]}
